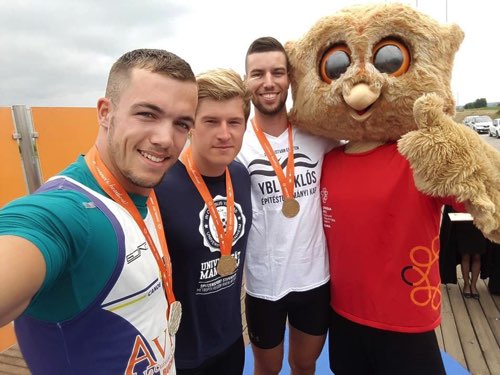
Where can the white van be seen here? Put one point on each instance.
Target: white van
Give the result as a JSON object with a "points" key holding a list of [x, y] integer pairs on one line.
{"points": [[480, 124]]}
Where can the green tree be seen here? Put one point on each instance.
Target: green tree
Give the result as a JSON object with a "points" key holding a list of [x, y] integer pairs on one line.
{"points": [[480, 103]]}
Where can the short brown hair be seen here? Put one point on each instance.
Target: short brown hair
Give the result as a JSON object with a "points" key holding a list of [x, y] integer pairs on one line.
{"points": [[223, 84], [266, 44], [153, 60]]}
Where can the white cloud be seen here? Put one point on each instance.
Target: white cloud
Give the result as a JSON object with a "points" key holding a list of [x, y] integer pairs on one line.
{"points": [[58, 52]]}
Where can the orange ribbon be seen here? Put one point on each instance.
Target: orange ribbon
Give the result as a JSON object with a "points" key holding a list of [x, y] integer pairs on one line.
{"points": [[116, 192], [287, 183], [225, 237]]}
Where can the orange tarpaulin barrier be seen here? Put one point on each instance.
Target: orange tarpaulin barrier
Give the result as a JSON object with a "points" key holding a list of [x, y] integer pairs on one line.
{"points": [[12, 182], [63, 134], [7, 337]]}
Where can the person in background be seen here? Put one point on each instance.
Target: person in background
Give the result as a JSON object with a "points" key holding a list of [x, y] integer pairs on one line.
{"points": [[206, 208], [81, 257], [463, 242], [287, 277]]}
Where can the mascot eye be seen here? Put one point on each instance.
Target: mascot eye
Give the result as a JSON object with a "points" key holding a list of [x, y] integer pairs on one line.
{"points": [[391, 57], [335, 62]]}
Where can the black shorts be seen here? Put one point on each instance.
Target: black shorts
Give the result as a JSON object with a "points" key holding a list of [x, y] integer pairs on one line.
{"points": [[307, 311], [356, 349], [230, 362]]}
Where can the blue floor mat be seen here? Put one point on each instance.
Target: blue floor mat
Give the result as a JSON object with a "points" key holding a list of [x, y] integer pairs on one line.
{"points": [[322, 366]]}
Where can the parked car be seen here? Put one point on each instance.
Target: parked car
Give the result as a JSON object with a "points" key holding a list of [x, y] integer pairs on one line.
{"points": [[467, 120], [495, 128], [480, 124]]}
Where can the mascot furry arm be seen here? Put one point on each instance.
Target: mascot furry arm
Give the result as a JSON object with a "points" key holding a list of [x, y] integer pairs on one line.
{"points": [[381, 73]]}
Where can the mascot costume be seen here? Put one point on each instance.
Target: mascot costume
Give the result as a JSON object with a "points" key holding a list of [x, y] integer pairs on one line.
{"points": [[378, 76]]}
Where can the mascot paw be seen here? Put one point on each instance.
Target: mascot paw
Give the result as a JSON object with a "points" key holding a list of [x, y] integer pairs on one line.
{"points": [[486, 217], [428, 111], [484, 206], [437, 140]]}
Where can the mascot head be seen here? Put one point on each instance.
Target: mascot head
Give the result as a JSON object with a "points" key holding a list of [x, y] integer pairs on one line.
{"points": [[355, 75]]}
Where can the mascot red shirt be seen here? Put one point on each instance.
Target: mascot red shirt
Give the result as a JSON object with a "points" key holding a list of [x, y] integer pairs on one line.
{"points": [[371, 212], [378, 77]]}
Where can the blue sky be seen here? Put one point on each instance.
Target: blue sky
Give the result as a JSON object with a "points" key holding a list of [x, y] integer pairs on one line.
{"points": [[58, 52]]}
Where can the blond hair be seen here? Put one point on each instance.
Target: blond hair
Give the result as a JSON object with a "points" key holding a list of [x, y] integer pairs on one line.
{"points": [[223, 84]]}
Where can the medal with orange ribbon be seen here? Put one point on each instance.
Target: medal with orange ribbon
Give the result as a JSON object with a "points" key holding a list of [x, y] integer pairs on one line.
{"points": [[112, 187], [291, 206], [227, 264]]}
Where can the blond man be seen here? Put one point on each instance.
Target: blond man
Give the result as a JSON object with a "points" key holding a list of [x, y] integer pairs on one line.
{"points": [[206, 208]]}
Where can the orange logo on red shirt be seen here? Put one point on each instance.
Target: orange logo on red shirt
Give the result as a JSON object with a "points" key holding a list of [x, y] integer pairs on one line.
{"points": [[423, 259]]}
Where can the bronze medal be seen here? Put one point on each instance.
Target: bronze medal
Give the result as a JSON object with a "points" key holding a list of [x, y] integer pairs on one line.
{"points": [[290, 207], [226, 265], [174, 317]]}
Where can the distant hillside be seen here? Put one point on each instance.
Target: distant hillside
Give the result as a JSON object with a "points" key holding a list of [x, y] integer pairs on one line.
{"points": [[487, 111]]}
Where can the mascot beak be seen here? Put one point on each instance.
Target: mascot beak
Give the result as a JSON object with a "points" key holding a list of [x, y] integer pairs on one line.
{"points": [[360, 100]]}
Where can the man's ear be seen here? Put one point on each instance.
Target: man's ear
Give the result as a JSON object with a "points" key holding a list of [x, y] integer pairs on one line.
{"points": [[104, 112]]}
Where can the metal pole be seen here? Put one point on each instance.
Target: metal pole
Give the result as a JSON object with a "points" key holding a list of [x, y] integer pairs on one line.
{"points": [[26, 136]]}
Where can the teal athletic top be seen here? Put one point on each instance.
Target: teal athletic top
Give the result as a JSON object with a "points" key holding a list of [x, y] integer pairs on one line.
{"points": [[71, 241], [102, 307]]}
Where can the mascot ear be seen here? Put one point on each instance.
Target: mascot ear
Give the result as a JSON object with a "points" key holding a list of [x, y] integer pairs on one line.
{"points": [[291, 52], [289, 48], [455, 37]]}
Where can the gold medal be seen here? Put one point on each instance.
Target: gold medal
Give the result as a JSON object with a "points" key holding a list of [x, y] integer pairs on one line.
{"points": [[290, 207], [174, 317], [226, 265]]}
